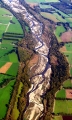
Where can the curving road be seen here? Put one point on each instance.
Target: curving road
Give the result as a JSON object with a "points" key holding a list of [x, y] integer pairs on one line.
{"points": [[40, 81]]}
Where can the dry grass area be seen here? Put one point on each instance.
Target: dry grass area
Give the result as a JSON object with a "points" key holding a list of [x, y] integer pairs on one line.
{"points": [[63, 49], [49, 16], [67, 36], [32, 4], [4, 68], [54, 60], [34, 60], [69, 93], [70, 19]]}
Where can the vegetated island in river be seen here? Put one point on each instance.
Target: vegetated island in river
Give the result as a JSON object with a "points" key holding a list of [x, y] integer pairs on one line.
{"points": [[60, 72]]}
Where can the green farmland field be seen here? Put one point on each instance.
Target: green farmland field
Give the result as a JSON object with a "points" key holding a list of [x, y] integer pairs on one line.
{"points": [[59, 30], [10, 42], [4, 20], [68, 54], [49, 16], [15, 27], [69, 57], [38, 1], [70, 24], [63, 106], [67, 83], [13, 57], [7, 46], [2, 29], [5, 58], [2, 63], [4, 78], [70, 15], [5, 94], [59, 17], [61, 94], [15, 113], [13, 69], [45, 6], [4, 12], [69, 46], [34, 1]]}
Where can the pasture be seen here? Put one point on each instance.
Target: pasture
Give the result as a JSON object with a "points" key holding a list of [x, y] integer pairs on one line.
{"points": [[69, 46], [70, 15], [69, 57], [2, 63], [2, 29], [49, 16], [5, 96], [67, 83], [61, 94], [4, 12], [58, 31], [13, 57], [15, 112], [34, 1], [57, 117], [63, 106], [4, 78], [14, 27], [45, 6], [70, 24], [4, 20], [67, 50], [59, 17], [39, 1], [13, 69]]}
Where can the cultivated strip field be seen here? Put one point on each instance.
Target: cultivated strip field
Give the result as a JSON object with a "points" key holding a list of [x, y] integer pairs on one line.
{"points": [[4, 68]]}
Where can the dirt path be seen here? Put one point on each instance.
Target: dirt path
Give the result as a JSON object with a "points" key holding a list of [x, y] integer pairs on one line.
{"points": [[8, 24], [34, 60]]}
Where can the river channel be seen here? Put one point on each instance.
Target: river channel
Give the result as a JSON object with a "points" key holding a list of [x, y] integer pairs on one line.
{"points": [[39, 82]]}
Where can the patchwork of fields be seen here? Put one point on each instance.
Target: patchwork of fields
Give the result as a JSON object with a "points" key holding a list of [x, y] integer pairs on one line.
{"points": [[10, 33], [51, 12], [63, 98], [63, 101], [38, 1]]}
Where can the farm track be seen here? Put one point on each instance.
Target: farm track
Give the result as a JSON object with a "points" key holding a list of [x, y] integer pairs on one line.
{"points": [[8, 24]]}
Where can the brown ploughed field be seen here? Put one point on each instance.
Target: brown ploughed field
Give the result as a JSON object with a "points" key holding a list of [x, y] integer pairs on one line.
{"points": [[69, 93], [4, 68], [67, 36]]}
